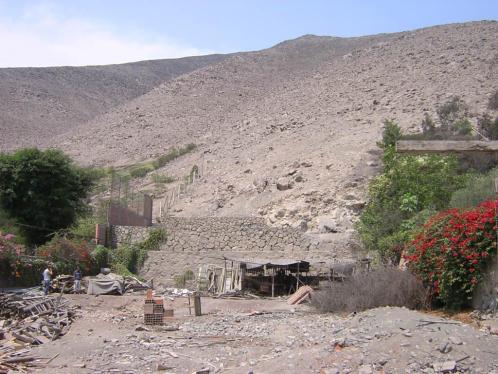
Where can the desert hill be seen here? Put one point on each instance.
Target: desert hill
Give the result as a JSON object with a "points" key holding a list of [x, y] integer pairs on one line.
{"points": [[38, 103], [289, 133]]}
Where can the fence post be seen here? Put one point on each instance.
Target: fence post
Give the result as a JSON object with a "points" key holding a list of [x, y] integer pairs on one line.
{"points": [[197, 304]]}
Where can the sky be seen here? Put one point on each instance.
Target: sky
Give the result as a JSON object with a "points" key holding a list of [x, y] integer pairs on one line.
{"points": [[93, 32]]}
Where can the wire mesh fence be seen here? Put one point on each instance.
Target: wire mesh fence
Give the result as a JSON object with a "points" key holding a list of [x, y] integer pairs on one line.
{"points": [[128, 206]]}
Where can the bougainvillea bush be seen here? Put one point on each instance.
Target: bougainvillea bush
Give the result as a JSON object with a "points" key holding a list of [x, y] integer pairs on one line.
{"points": [[17, 269], [452, 250], [69, 253]]}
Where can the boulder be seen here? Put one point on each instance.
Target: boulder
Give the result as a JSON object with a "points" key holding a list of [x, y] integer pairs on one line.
{"points": [[284, 184], [327, 224]]}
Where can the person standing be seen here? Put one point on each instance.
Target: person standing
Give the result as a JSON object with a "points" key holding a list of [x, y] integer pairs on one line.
{"points": [[47, 279], [77, 280]]}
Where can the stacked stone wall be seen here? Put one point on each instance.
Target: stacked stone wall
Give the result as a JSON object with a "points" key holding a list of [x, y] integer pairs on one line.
{"points": [[232, 234], [203, 240]]}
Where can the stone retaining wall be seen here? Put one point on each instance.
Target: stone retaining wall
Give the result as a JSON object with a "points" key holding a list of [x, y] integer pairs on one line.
{"points": [[195, 241], [231, 234]]}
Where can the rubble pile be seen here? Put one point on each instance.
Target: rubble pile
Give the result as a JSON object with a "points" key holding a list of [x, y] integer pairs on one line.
{"points": [[63, 283], [27, 320], [132, 284]]}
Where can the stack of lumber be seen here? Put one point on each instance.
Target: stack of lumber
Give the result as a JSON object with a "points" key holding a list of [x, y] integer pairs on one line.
{"points": [[301, 295], [29, 320]]}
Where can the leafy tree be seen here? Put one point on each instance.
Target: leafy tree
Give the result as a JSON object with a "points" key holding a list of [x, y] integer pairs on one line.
{"points": [[399, 198], [42, 190], [391, 134]]}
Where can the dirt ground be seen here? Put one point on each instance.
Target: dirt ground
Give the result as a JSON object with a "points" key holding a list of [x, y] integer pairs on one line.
{"points": [[265, 336]]}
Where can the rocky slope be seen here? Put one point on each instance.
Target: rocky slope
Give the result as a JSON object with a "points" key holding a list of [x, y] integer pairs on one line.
{"points": [[36, 103], [289, 132]]}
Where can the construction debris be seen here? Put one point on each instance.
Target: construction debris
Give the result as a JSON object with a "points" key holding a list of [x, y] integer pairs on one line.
{"points": [[29, 320], [63, 281], [114, 284], [133, 284], [301, 295], [177, 292], [154, 311]]}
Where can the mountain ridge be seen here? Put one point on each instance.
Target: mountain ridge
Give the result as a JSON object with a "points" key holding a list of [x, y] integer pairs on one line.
{"points": [[38, 103], [290, 132]]}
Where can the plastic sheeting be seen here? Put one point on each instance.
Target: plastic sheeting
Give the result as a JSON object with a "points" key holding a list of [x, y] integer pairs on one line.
{"points": [[105, 285]]}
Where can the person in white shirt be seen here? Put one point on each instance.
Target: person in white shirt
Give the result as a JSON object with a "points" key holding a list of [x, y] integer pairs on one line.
{"points": [[47, 279]]}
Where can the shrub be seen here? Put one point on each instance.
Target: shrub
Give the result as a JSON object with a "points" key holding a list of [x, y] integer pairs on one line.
{"points": [[488, 126], [493, 101], [67, 254], [132, 256], [428, 125], [160, 179], [24, 270], [390, 135], [407, 186], [451, 111], [8, 227], [450, 253], [188, 148], [100, 256], [478, 189], [140, 171], [385, 286], [172, 154], [121, 269], [154, 239], [462, 127], [85, 227], [181, 280]]}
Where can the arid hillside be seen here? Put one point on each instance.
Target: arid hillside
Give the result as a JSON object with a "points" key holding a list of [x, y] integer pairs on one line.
{"points": [[38, 103], [290, 132]]}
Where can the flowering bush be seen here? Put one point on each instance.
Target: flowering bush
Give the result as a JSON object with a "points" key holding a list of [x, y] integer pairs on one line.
{"points": [[69, 252], [452, 250], [8, 247]]}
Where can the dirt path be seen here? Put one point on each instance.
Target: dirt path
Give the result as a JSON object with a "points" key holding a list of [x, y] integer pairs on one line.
{"points": [[231, 337]]}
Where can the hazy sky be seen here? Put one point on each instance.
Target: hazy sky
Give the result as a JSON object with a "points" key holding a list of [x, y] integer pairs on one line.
{"points": [[83, 32]]}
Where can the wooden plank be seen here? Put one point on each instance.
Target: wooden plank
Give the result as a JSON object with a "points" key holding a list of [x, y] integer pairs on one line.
{"points": [[445, 146]]}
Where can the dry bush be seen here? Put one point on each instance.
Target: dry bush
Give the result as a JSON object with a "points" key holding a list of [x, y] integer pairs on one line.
{"points": [[386, 286], [493, 101]]}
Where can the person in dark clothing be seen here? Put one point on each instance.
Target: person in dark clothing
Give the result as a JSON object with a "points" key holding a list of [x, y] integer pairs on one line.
{"points": [[77, 280]]}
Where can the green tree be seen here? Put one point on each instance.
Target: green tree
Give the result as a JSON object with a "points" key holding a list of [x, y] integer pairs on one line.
{"points": [[409, 187], [43, 191]]}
